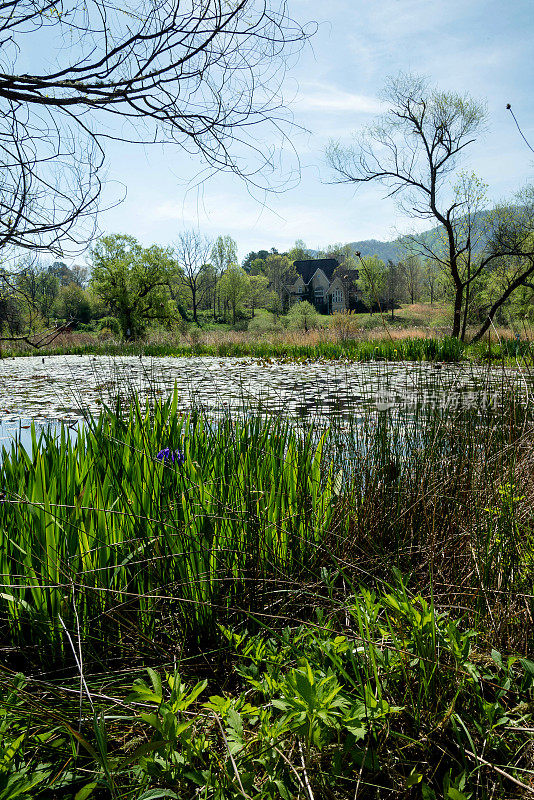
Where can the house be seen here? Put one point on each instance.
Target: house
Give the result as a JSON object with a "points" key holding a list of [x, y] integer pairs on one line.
{"points": [[324, 284]]}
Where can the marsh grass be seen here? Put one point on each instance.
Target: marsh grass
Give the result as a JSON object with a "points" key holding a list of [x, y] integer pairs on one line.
{"points": [[326, 611], [336, 342]]}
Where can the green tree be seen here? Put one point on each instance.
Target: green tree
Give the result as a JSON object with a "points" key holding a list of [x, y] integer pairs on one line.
{"points": [[373, 278], [65, 275], [223, 255], [257, 267], [280, 272], [133, 281], [342, 253], [299, 251], [253, 257], [37, 289], [11, 315], [303, 316], [27, 295], [73, 304], [258, 292], [234, 288]]}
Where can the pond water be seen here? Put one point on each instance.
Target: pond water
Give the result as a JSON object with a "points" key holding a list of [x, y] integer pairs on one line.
{"points": [[50, 389], [68, 387]]}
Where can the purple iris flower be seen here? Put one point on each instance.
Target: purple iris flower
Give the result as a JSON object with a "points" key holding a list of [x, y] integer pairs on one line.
{"points": [[171, 456]]}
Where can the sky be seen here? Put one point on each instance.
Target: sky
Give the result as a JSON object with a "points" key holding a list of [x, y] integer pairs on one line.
{"points": [[482, 47]]}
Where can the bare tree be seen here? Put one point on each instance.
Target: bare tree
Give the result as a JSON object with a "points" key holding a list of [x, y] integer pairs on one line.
{"points": [[192, 254], [200, 74], [413, 149]]}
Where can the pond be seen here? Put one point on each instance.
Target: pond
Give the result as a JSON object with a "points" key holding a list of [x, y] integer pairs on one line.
{"points": [[50, 389]]}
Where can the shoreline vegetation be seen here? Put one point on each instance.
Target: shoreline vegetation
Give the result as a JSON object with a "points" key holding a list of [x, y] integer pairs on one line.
{"points": [[327, 344], [232, 607]]}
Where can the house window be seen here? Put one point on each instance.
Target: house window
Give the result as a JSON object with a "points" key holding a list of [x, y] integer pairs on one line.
{"points": [[299, 290], [337, 296], [319, 293]]}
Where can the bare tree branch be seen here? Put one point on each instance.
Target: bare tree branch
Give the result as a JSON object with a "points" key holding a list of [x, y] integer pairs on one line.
{"points": [[200, 74]]}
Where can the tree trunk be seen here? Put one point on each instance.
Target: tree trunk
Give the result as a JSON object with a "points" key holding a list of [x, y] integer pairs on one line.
{"points": [[194, 304], [466, 310], [457, 318]]}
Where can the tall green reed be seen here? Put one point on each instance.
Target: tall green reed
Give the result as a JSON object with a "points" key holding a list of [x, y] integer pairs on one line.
{"points": [[99, 527], [443, 349]]}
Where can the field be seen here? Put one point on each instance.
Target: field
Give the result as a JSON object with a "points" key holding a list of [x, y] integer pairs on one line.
{"points": [[238, 607]]}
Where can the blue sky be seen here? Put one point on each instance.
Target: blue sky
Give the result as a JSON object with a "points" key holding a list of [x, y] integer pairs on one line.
{"points": [[483, 47]]}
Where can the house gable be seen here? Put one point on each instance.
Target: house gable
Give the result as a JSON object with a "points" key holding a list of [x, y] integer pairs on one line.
{"points": [[298, 284], [319, 279], [337, 283]]}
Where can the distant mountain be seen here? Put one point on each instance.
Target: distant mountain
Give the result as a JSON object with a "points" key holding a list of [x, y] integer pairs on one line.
{"points": [[384, 250], [396, 249]]}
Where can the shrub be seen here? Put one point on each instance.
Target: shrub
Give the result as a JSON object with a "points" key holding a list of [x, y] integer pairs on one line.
{"points": [[110, 323], [303, 316]]}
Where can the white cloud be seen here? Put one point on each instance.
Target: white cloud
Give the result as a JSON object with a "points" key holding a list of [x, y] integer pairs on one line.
{"points": [[327, 98]]}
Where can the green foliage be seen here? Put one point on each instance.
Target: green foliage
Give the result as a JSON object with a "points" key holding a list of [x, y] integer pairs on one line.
{"points": [[38, 287], [133, 281], [313, 707], [299, 251], [73, 304], [234, 287], [264, 321], [223, 253], [252, 258], [258, 295], [280, 272], [303, 316], [21, 773], [109, 323], [294, 593], [349, 349], [372, 280]]}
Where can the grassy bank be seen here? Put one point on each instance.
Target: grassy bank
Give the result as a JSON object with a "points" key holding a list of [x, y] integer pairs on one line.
{"points": [[231, 608], [294, 346]]}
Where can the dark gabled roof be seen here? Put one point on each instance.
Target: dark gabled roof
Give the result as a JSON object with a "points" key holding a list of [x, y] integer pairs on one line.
{"points": [[307, 268]]}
